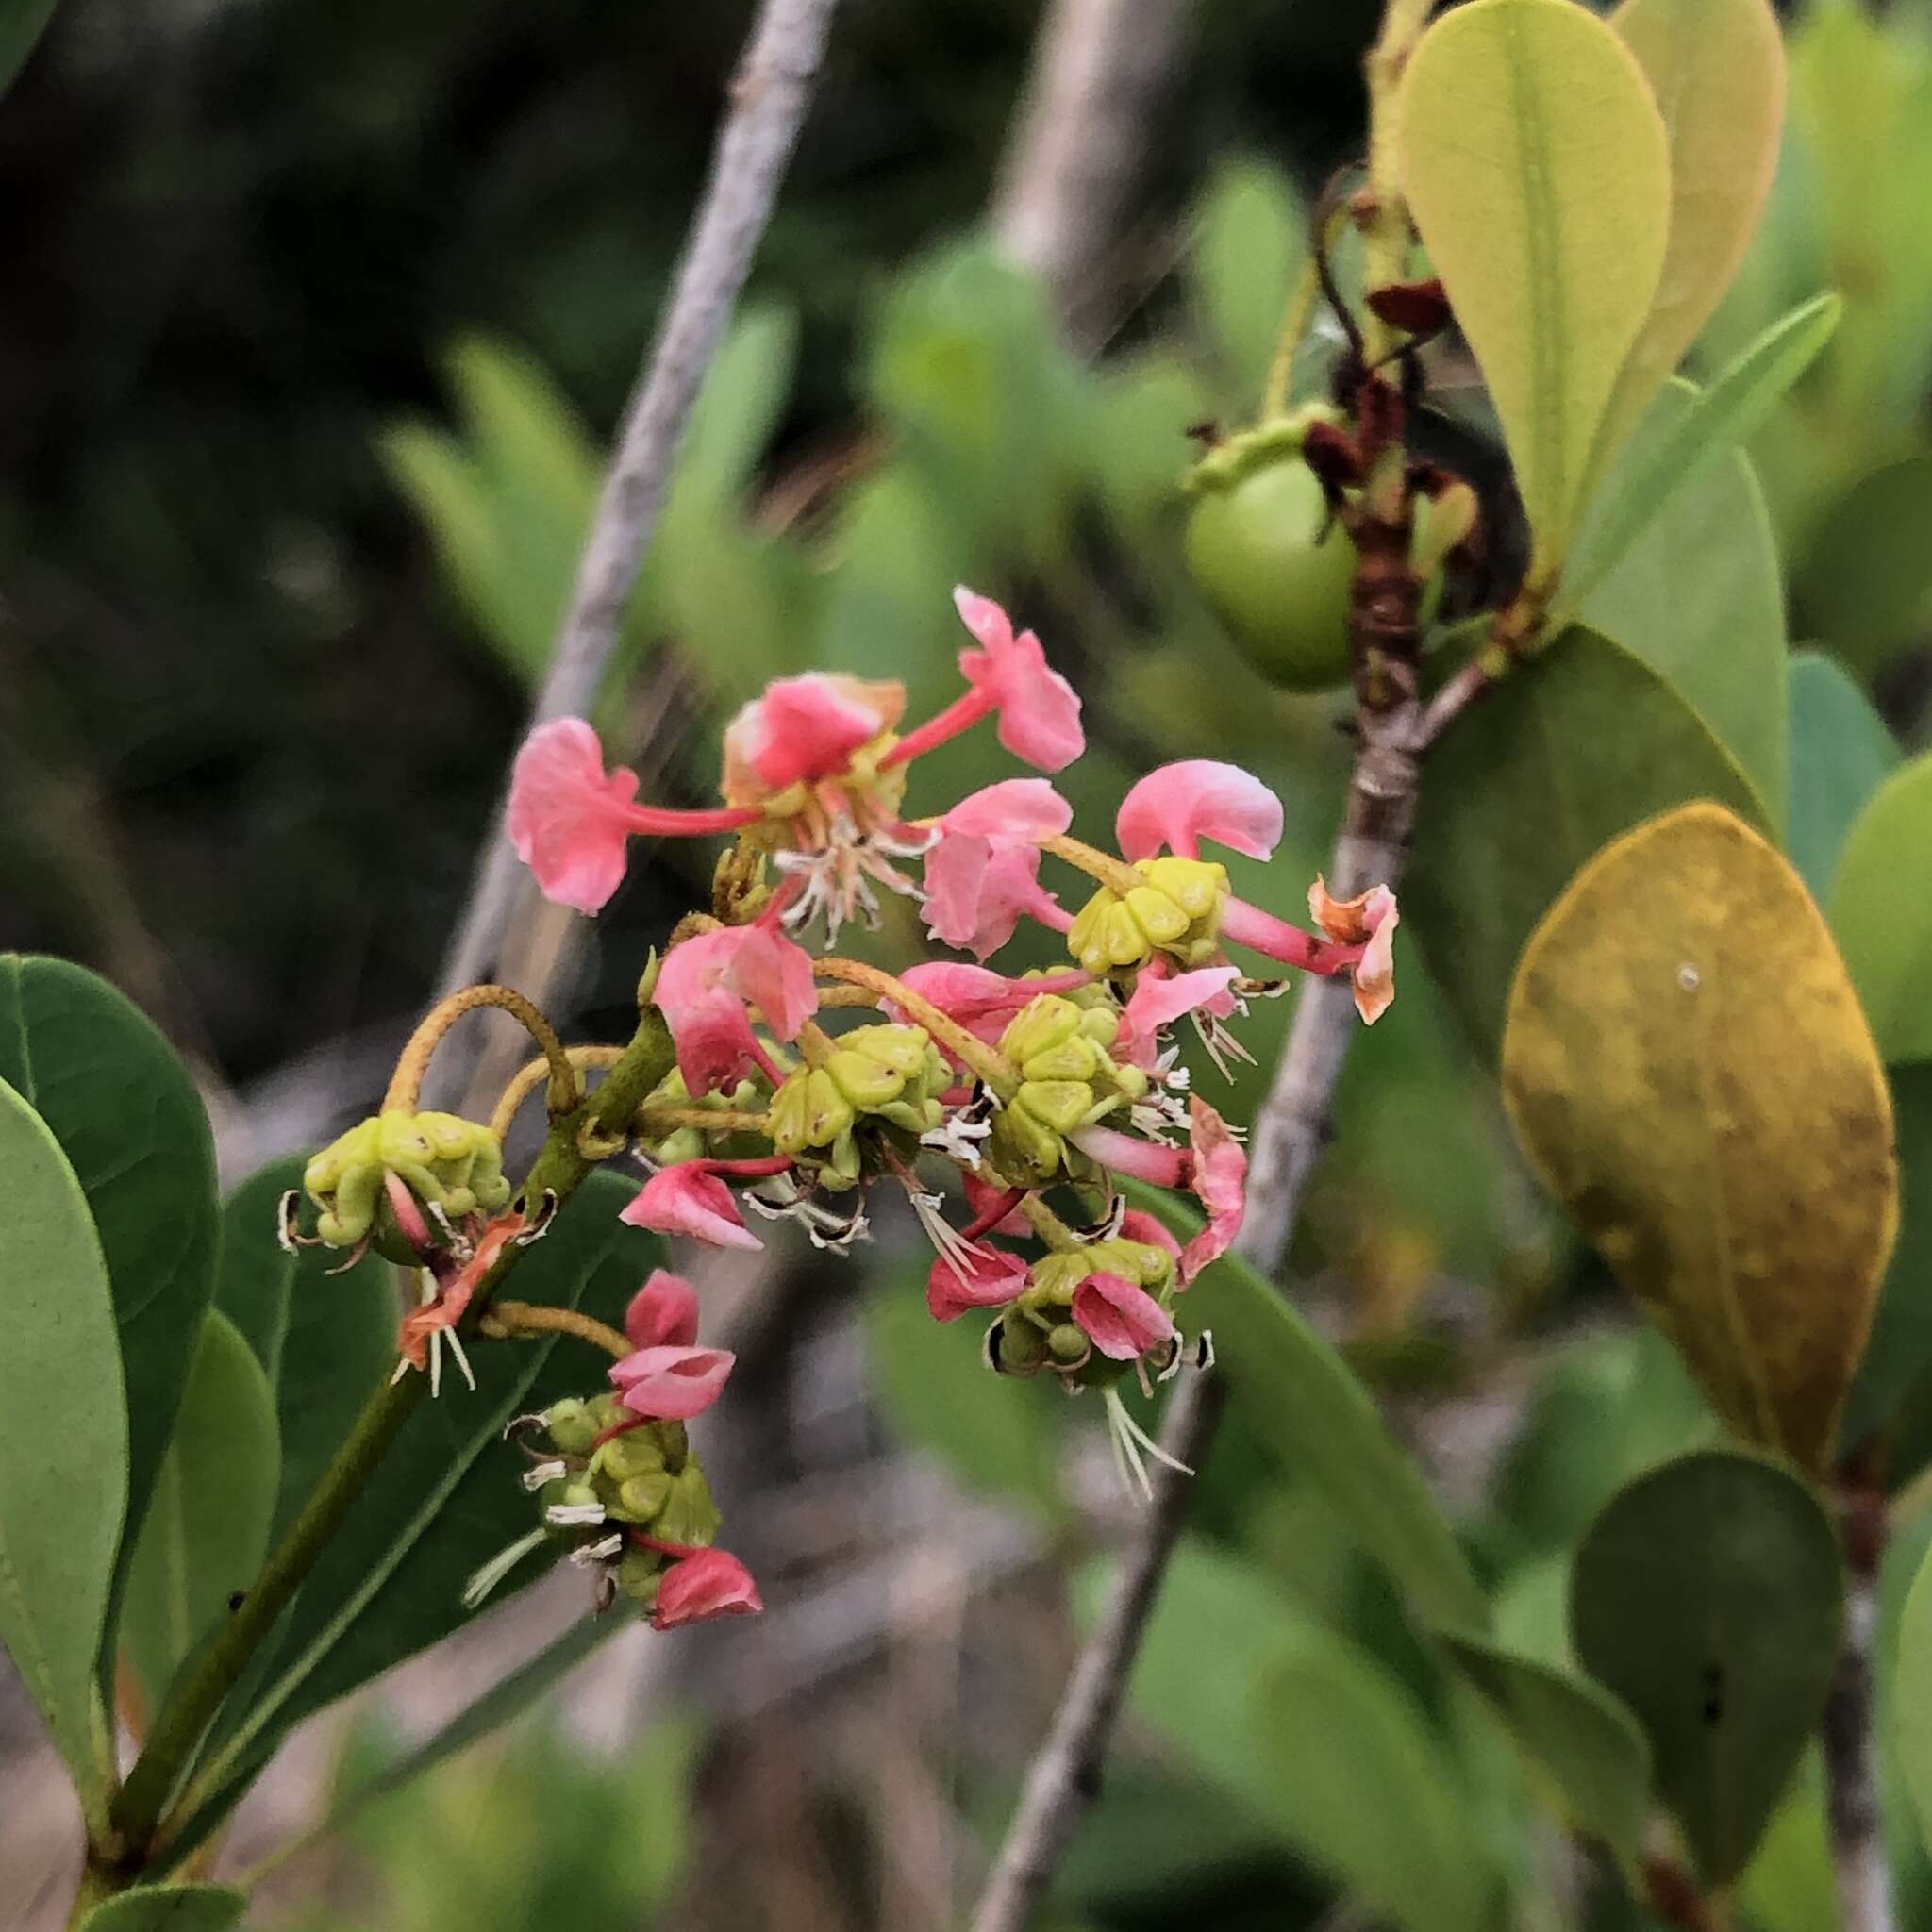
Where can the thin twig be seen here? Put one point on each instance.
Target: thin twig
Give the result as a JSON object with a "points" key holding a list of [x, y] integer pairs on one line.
{"points": [[1857, 1836], [768, 102]]}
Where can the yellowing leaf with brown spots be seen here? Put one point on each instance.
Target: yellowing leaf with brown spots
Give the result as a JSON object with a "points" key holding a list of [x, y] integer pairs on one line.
{"points": [[1688, 1071]]}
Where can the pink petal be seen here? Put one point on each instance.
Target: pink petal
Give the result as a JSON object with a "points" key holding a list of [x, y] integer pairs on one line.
{"points": [[672, 1384], [684, 1199], [992, 1278], [1374, 972], [977, 889], [664, 1313], [1219, 1178], [1014, 808], [1178, 805], [983, 1196], [1121, 1320], [1039, 711], [702, 989], [705, 1584], [805, 728], [982, 1001], [1160, 999], [567, 819]]}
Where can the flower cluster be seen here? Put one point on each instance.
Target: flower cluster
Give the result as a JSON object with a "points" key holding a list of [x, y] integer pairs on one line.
{"points": [[618, 1483], [1011, 1092], [1009, 1110]]}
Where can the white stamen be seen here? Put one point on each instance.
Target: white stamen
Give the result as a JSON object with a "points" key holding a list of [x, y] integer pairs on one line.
{"points": [[456, 1349], [499, 1566], [574, 1515], [587, 1555], [540, 1476], [958, 1138], [954, 1250], [1135, 1438]]}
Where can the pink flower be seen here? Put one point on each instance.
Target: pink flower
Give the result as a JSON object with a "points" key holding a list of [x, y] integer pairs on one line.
{"points": [[1040, 713], [1217, 1172], [1368, 921], [981, 1000], [804, 727], [1121, 1320], [687, 1198], [672, 1384], [1159, 999], [982, 878], [992, 1279], [664, 1313], [1178, 805], [702, 989], [569, 819], [705, 1584]]}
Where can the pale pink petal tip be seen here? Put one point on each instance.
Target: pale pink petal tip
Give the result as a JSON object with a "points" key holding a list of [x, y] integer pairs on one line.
{"points": [[1368, 920], [1176, 807], [1219, 1178], [684, 1199], [1039, 711], [672, 1384], [705, 1584], [568, 819], [1160, 999]]}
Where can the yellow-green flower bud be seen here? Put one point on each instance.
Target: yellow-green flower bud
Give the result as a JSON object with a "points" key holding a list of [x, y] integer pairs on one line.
{"points": [[1067, 1082], [1176, 910], [570, 1426], [688, 1514], [640, 1498], [639, 1573], [888, 1073], [444, 1160], [1057, 1275], [633, 1454]]}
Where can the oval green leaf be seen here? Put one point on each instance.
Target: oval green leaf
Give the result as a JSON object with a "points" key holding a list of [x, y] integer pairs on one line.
{"points": [[1700, 597], [1842, 752], [1583, 1737], [1669, 1608], [128, 1117], [207, 1528], [1313, 1411], [1528, 786], [169, 1909], [1688, 1071], [1881, 909], [1736, 402], [1717, 71], [323, 1339], [1536, 164], [63, 1442]]}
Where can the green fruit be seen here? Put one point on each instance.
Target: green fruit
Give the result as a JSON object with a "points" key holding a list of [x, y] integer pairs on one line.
{"points": [[1273, 567]]}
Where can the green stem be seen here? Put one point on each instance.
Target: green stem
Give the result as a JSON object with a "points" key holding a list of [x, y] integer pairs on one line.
{"points": [[1294, 325], [559, 1168]]}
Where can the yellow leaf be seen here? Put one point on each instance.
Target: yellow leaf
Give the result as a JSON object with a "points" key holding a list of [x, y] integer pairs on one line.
{"points": [[1717, 70], [1535, 161], [1688, 1071]]}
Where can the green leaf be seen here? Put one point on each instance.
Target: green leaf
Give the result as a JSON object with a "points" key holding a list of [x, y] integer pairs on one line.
{"points": [[1536, 164], [169, 1909], [1530, 785], [1688, 1071], [937, 1392], [1248, 243], [63, 1443], [1864, 585], [1672, 1598], [1717, 71], [1840, 753], [446, 1498], [1901, 1343], [1881, 910], [505, 1699], [323, 1339], [22, 24], [208, 1530], [1311, 1410], [1582, 1736], [129, 1119], [1724, 415], [1699, 596], [1313, 1737]]}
